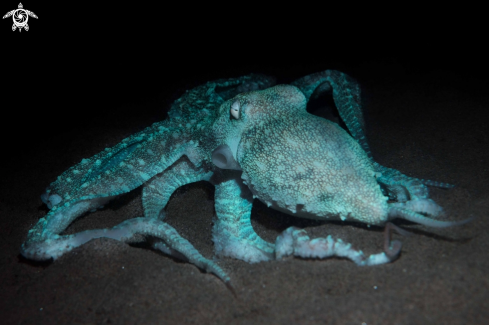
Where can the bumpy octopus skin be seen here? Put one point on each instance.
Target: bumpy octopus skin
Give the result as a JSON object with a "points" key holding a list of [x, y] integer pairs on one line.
{"points": [[250, 139]]}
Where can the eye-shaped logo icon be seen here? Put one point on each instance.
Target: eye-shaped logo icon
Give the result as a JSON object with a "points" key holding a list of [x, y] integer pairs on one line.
{"points": [[20, 17]]}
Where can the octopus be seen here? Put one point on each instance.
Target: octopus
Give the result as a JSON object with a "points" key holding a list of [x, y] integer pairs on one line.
{"points": [[251, 139]]}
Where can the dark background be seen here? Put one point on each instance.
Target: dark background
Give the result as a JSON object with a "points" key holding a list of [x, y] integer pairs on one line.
{"points": [[83, 64], [86, 76]]}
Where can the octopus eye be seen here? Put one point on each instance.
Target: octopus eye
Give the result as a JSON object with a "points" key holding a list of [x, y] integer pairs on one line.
{"points": [[235, 109]]}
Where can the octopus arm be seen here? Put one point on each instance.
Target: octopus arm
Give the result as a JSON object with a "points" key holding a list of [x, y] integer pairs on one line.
{"points": [[346, 95]]}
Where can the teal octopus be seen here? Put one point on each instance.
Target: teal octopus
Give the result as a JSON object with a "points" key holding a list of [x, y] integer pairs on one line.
{"points": [[251, 139]]}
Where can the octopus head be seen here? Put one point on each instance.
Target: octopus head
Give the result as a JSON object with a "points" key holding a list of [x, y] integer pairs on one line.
{"points": [[296, 162]]}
